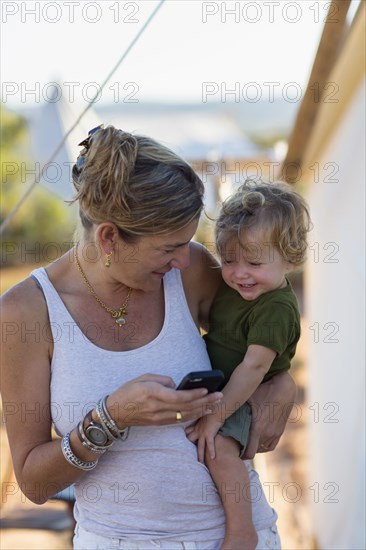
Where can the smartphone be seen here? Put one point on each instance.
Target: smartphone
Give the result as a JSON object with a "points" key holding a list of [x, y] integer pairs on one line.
{"points": [[213, 380]]}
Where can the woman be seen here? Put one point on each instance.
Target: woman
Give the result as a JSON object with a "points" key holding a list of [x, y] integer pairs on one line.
{"points": [[128, 300]]}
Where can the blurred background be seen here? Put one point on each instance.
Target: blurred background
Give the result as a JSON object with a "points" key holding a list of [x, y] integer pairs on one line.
{"points": [[274, 90]]}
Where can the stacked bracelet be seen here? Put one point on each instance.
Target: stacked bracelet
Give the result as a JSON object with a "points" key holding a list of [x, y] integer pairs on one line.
{"points": [[107, 421], [94, 434], [107, 426], [87, 443], [72, 459]]}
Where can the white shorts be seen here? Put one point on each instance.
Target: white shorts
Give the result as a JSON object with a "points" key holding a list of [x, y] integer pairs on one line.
{"points": [[268, 539]]}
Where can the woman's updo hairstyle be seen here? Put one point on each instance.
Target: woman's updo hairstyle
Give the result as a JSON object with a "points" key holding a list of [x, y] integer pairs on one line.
{"points": [[136, 183], [278, 212]]}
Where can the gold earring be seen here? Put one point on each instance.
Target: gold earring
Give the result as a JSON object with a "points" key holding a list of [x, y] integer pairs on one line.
{"points": [[108, 260]]}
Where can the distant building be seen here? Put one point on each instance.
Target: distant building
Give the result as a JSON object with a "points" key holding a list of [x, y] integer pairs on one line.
{"points": [[212, 137]]}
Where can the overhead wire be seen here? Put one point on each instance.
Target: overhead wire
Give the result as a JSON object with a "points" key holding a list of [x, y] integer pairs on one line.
{"points": [[26, 194]]}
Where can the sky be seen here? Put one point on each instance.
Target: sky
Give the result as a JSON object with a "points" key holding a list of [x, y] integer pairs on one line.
{"points": [[192, 51]]}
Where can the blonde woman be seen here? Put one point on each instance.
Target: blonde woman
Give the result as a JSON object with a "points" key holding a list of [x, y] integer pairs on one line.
{"points": [[120, 318]]}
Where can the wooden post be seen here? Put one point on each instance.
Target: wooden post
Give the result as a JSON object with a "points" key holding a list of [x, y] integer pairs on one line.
{"points": [[318, 84]]}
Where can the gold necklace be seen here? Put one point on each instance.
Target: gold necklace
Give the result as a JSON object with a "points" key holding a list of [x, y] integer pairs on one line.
{"points": [[118, 315]]}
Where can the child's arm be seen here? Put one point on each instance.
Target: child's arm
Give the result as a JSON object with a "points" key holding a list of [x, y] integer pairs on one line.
{"points": [[243, 382]]}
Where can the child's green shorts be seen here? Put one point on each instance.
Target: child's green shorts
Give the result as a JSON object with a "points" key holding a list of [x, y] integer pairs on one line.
{"points": [[237, 426]]}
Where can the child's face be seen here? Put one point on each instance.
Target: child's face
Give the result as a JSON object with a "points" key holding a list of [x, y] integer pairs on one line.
{"points": [[253, 266]]}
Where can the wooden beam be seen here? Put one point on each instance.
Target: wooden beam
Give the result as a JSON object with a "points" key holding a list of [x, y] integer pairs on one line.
{"points": [[318, 85]]}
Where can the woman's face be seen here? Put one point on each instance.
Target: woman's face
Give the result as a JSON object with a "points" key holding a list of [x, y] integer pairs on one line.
{"points": [[142, 265]]}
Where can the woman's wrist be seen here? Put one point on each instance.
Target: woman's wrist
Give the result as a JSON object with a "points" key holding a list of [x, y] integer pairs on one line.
{"points": [[109, 424], [83, 445], [79, 450], [114, 409]]}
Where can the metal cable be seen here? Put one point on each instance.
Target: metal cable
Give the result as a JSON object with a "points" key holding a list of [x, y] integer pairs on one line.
{"points": [[12, 213]]}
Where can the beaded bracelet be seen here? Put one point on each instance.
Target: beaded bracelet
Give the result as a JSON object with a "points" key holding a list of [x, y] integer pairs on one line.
{"points": [[72, 459], [106, 418]]}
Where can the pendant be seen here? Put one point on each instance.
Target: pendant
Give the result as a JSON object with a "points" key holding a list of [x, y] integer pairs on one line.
{"points": [[120, 321], [118, 316]]}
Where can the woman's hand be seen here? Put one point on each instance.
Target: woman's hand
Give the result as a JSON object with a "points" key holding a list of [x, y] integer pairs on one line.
{"points": [[151, 399], [271, 404]]}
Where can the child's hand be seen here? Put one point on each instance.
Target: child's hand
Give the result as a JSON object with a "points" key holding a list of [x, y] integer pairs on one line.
{"points": [[204, 432]]}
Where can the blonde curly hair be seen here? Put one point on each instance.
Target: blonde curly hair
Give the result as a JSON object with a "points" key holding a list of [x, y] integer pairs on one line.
{"points": [[275, 209]]}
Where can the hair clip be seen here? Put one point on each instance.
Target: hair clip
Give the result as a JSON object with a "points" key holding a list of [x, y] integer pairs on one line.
{"points": [[86, 144]]}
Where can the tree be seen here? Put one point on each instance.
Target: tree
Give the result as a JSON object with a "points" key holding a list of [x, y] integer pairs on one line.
{"points": [[43, 222]]}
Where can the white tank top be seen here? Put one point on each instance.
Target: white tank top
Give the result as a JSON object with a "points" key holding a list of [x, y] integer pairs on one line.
{"points": [[151, 485]]}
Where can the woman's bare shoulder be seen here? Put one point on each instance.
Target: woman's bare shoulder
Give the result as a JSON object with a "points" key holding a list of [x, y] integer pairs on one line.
{"points": [[26, 345], [201, 280], [202, 264], [23, 302], [201, 257]]}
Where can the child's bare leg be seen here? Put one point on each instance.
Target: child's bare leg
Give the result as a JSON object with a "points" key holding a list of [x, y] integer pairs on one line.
{"points": [[232, 481]]}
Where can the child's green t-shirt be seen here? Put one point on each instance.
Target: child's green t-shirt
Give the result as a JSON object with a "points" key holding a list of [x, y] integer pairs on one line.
{"points": [[272, 320]]}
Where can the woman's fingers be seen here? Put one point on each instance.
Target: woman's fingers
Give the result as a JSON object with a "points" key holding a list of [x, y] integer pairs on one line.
{"points": [[166, 381], [172, 399], [270, 444], [256, 445], [162, 388], [151, 400], [253, 445], [194, 410], [183, 412], [206, 403], [194, 403]]}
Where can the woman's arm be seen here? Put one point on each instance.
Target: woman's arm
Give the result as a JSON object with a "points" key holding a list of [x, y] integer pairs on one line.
{"points": [[271, 404], [201, 281], [25, 386], [39, 464]]}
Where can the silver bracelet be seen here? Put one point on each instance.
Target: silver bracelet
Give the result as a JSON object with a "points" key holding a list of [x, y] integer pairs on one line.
{"points": [[87, 443], [72, 459], [110, 429], [122, 434]]}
